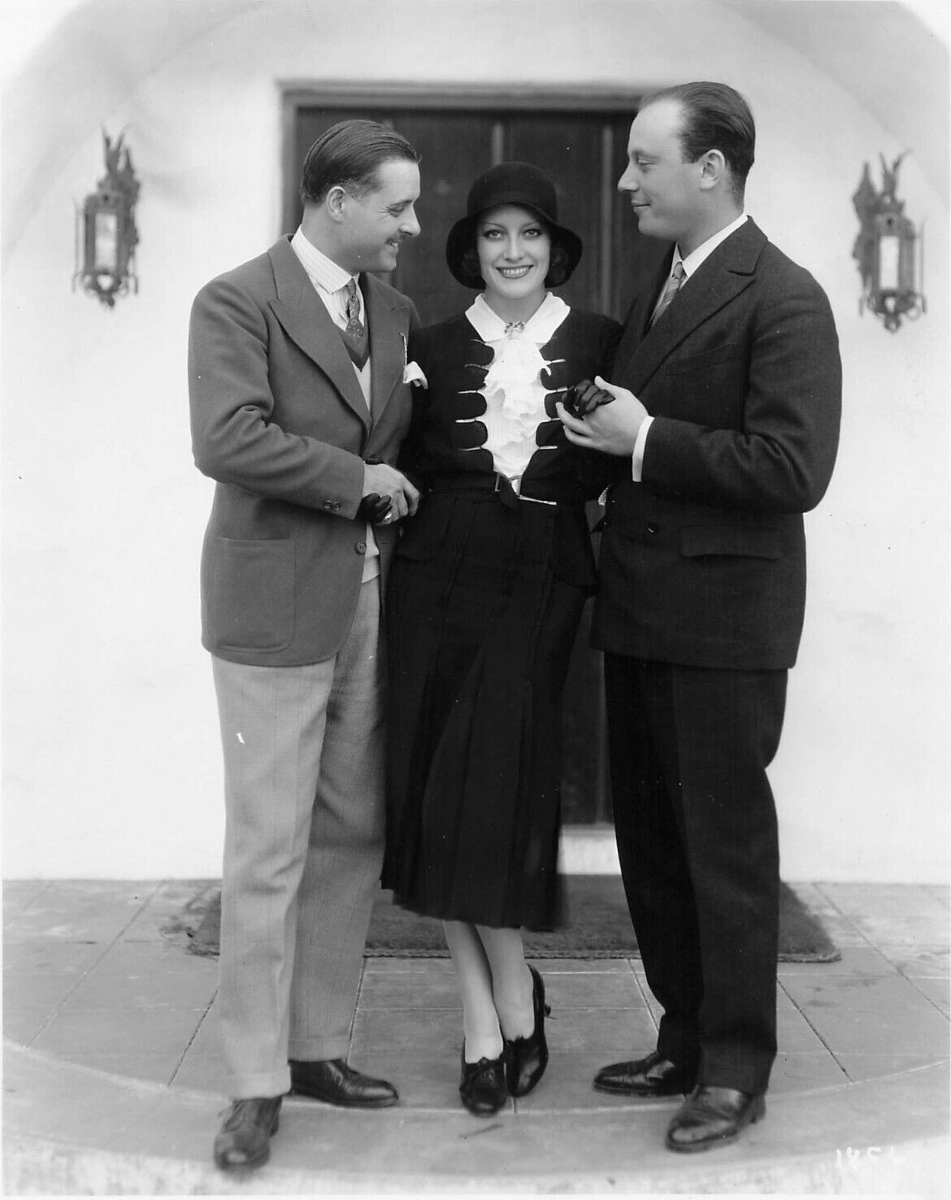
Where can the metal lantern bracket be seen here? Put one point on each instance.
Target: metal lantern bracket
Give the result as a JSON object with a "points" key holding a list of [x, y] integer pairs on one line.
{"points": [[885, 249], [106, 235]]}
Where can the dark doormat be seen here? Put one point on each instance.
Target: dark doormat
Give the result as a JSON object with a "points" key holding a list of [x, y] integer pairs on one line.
{"points": [[597, 926]]}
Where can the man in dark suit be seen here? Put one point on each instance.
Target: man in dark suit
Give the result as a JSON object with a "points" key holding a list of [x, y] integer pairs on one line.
{"points": [[725, 414], [299, 404]]}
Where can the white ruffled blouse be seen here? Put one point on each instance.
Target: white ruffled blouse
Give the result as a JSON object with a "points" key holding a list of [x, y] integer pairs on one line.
{"points": [[513, 391]]}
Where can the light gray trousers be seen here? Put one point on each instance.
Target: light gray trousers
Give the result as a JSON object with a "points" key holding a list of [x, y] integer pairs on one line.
{"points": [[303, 756]]}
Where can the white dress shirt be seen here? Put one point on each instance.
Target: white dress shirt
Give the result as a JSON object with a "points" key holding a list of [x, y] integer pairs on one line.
{"points": [[513, 391], [330, 283], [691, 263]]}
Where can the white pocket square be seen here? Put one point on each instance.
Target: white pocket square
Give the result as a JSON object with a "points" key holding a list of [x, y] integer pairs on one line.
{"points": [[413, 373]]}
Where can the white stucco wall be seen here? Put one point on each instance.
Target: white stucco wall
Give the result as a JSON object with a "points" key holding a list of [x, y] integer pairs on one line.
{"points": [[110, 748]]}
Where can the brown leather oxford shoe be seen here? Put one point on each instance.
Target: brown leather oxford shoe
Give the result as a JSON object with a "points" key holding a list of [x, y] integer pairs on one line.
{"points": [[242, 1140], [334, 1082], [713, 1116], [649, 1077]]}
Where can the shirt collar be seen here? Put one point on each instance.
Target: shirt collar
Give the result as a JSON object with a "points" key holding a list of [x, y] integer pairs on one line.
{"points": [[705, 249], [539, 328], [322, 271]]}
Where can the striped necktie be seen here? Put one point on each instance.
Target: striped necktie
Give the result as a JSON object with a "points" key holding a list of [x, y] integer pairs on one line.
{"points": [[671, 290]]}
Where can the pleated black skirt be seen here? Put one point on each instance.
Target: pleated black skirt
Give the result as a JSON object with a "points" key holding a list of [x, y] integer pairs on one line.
{"points": [[479, 632]]}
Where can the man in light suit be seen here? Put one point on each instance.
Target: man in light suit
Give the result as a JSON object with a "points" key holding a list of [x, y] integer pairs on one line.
{"points": [[724, 411], [298, 406]]}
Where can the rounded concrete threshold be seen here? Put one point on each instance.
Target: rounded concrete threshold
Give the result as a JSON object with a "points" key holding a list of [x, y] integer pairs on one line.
{"points": [[72, 1130]]}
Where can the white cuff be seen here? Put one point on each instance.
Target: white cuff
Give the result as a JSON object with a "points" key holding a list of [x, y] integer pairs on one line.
{"points": [[637, 462]]}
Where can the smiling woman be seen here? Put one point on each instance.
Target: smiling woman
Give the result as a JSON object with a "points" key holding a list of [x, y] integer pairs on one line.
{"points": [[484, 602], [514, 250]]}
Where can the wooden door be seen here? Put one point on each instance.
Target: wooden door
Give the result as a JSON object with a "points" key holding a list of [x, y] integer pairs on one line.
{"points": [[583, 152], [583, 148]]}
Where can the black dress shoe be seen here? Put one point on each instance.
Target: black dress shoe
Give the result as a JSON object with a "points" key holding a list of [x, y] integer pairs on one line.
{"points": [[242, 1140], [713, 1116], [334, 1082], [650, 1076], [528, 1056], [483, 1087]]}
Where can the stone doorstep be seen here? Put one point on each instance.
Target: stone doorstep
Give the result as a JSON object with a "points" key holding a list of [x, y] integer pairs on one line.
{"points": [[140, 1138]]}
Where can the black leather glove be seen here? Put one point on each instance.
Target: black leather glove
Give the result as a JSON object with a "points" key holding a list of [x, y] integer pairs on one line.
{"points": [[373, 508], [584, 397]]}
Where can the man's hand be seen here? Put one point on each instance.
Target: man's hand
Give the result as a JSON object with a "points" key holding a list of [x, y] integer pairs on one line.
{"points": [[388, 484], [374, 509], [611, 428]]}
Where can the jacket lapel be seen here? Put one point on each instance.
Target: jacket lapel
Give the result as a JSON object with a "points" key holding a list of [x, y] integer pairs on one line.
{"points": [[720, 278], [388, 333], [635, 327], [305, 320]]}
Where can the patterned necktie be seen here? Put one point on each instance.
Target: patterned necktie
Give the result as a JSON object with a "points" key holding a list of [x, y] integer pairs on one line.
{"points": [[671, 290], [355, 335], [354, 324]]}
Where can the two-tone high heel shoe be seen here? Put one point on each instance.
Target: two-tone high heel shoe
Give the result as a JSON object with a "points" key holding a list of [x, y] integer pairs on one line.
{"points": [[528, 1056], [484, 1087]]}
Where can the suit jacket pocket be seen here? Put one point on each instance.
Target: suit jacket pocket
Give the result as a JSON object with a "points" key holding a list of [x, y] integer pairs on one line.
{"points": [[705, 359], [252, 594], [697, 541]]}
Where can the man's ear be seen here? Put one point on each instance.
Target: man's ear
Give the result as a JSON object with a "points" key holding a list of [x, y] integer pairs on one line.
{"points": [[713, 169], [334, 202]]}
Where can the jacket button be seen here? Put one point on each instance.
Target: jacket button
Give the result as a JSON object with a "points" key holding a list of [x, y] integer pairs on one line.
{"points": [[361, 547], [329, 505], [652, 528]]}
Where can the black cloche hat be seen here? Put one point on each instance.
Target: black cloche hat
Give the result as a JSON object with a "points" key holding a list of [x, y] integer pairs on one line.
{"points": [[508, 183]]}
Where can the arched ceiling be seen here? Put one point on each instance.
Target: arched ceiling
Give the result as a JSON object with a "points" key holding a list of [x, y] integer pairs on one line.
{"points": [[60, 92], [850, 41]]}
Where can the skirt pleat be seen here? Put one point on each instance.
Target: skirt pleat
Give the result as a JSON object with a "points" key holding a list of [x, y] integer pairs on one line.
{"points": [[479, 635]]}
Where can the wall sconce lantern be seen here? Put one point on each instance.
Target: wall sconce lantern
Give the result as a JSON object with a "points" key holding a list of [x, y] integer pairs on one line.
{"points": [[106, 235], [885, 250]]}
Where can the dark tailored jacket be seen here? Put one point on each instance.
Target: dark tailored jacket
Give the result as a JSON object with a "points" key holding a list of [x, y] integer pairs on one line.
{"points": [[446, 437], [279, 420], [703, 562]]}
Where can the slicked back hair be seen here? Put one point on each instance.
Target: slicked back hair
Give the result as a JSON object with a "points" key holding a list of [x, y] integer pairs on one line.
{"points": [[715, 117], [349, 155]]}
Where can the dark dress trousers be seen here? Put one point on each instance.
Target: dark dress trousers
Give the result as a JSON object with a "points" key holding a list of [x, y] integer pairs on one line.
{"points": [[699, 612]]}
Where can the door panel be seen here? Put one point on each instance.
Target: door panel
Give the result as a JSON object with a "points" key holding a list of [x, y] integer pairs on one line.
{"points": [[584, 152], [455, 149], [568, 149]]}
